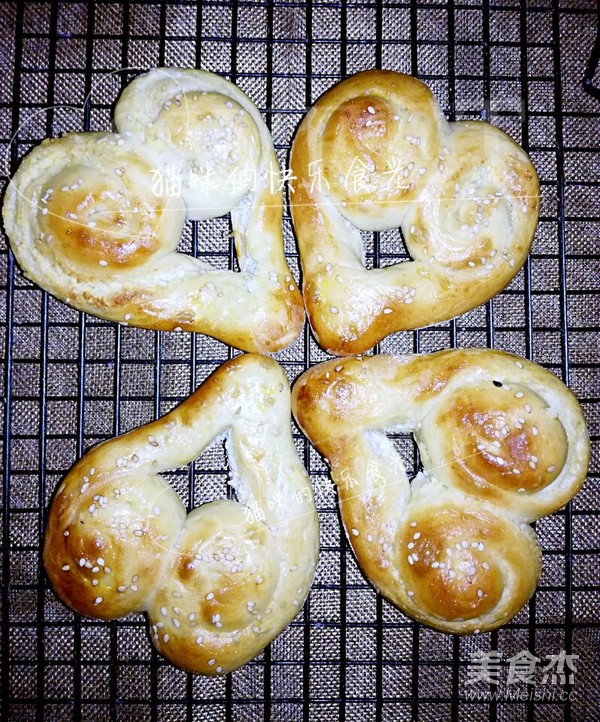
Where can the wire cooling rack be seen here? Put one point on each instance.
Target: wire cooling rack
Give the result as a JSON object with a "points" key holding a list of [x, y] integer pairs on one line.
{"points": [[71, 380]]}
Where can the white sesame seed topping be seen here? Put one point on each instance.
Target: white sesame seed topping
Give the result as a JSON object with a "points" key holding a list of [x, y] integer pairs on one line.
{"points": [[66, 532], [98, 601], [163, 611], [355, 532], [121, 588], [417, 535], [166, 638], [371, 110], [66, 567], [211, 662], [210, 595], [551, 468], [334, 310], [199, 639], [480, 593], [410, 560], [387, 310]]}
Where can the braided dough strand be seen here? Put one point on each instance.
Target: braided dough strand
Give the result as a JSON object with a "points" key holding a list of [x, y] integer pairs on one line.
{"points": [[375, 153], [93, 220], [502, 442], [220, 583]]}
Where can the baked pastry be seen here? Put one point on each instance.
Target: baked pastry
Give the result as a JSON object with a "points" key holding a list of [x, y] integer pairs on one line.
{"points": [[220, 583], [502, 442], [375, 153], [96, 218]]}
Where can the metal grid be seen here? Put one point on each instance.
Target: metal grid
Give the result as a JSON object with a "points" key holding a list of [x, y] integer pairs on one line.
{"points": [[71, 380]]}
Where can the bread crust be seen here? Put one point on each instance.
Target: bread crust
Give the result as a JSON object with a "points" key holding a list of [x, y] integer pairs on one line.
{"points": [[502, 442], [375, 153], [219, 583], [96, 218]]}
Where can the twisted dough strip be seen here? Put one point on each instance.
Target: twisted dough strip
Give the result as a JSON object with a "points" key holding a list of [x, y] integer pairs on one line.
{"points": [[375, 153], [502, 442], [220, 583], [92, 219]]}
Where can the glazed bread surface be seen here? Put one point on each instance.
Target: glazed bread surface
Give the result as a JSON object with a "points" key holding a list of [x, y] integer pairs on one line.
{"points": [[502, 442], [217, 584], [96, 218], [375, 153]]}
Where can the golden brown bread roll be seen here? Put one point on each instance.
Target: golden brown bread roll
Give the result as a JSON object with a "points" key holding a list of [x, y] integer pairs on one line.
{"points": [[96, 218], [502, 442], [375, 153], [220, 583]]}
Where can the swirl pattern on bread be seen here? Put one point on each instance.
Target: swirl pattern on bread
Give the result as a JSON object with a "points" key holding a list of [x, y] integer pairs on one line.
{"points": [[96, 218], [502, 442], [375, 153], [219, 583]]}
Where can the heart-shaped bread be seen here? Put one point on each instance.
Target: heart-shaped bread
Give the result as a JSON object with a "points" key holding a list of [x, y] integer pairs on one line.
{"points": [[96, 218], [375, 153], [502, 442], [219, 583]]}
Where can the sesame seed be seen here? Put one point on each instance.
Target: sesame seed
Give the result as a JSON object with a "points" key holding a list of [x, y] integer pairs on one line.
{"points": [[551, 468], [199, 639], [480, 593], [435, 565], [338, 368], [66, 567], [176, 623], [166, 638], [211, 662], [355, 532], [411, 545], [94, 582], [121, 588], [210, 595], [98, 601], [134, 588], [371, 110], [66, 532], [471, 570], [417, 535], [334, 309], [410, 560], [485, 565], [163, 611]]}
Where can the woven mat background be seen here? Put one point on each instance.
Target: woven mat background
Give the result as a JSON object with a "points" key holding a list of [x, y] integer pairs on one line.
{"points": [[70, 380]]}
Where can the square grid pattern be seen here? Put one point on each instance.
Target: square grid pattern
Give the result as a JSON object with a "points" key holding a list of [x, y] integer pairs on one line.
{"points": [[70, 380]]}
